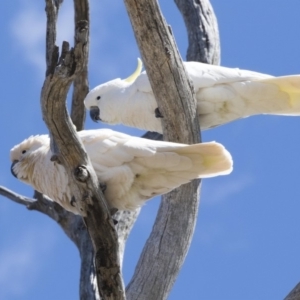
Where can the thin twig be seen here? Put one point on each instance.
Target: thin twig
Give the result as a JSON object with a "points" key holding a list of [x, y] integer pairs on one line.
{"points": [[20, 199]]}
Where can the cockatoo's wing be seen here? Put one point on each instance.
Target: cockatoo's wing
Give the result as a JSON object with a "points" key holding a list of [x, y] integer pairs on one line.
{"points": [[142, 83], [136, 169], [206, 75]]}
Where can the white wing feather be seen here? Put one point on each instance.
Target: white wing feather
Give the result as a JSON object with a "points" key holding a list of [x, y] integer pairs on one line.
{"points": [[134, 169]]}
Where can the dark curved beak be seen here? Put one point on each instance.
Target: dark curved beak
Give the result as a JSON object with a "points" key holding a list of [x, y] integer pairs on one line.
{"points": [[12, 168], [95, 113]]}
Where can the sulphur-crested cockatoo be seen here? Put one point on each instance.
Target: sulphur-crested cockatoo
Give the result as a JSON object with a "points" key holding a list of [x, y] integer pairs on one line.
{"points": [[133, 169], [223, 95]]}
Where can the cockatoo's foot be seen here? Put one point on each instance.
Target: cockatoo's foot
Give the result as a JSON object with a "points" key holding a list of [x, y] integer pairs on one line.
{"points": [[113, 211], [103, 187], [158, 113], [72, 202]]}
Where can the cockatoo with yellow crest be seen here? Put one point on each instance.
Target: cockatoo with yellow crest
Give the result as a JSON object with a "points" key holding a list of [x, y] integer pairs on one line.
{"points": [[133, 169], [223, 95]]}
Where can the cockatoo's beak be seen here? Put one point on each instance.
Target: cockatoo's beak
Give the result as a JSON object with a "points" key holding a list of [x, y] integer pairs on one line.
{"points": [[95, 113], [12, 168]]}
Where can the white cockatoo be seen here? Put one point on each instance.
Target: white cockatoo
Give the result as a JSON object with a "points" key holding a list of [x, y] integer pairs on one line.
{"points": [[223, 95], [133, 169]]}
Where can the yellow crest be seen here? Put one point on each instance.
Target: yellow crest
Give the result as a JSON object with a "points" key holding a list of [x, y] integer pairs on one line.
{"points": [[136, 73]]}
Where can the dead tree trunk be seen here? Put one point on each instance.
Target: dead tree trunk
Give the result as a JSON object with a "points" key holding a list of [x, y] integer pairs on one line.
{"points": [[170, 238]]}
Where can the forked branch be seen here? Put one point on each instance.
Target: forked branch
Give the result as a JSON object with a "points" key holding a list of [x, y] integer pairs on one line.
{"points": [[88, 197]]}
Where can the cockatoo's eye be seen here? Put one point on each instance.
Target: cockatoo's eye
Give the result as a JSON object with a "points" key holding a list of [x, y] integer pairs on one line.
{"points": [[98, 98], [24, 151]]}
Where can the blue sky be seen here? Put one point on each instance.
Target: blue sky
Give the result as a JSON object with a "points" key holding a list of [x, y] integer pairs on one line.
{"points": [[246, 244]]}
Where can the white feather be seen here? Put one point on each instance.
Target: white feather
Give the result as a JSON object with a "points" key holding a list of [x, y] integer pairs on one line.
{"points": [[134, 169], [223, 95]]}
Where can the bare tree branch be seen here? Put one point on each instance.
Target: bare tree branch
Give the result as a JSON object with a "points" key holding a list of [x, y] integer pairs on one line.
{"points": [[203, 34], [294, 293], [202, 28], [88, 289], [169, 241], [52, 8], [81, 84], [43, 204], [75, 229], [16, 197], [88, 197]]}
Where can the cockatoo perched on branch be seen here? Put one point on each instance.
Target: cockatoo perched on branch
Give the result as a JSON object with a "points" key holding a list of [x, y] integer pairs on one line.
{"points": [[223, 95], [133, 169]]}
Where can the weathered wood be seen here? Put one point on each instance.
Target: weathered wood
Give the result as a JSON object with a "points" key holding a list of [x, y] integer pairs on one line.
{"points": [[166, 248], [88, 286], [294, 293], [202, 29], [72, 225], [52, 8], [88, 197], [165, 70], [81, 83], [5, 192], [203, 35]]}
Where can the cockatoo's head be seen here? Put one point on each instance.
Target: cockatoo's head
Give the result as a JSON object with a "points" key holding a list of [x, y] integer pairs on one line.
{"points": [[100, 101], [23, 156]]}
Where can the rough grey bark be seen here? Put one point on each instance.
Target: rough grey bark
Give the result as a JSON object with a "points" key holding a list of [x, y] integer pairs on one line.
{"points": [[87, 194], [167, 246], [203, 35], [88, 286], [81, 84], [52, 8], [72, 225], [294, 293], [202, 29], [68, 150], [165, 70]]}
